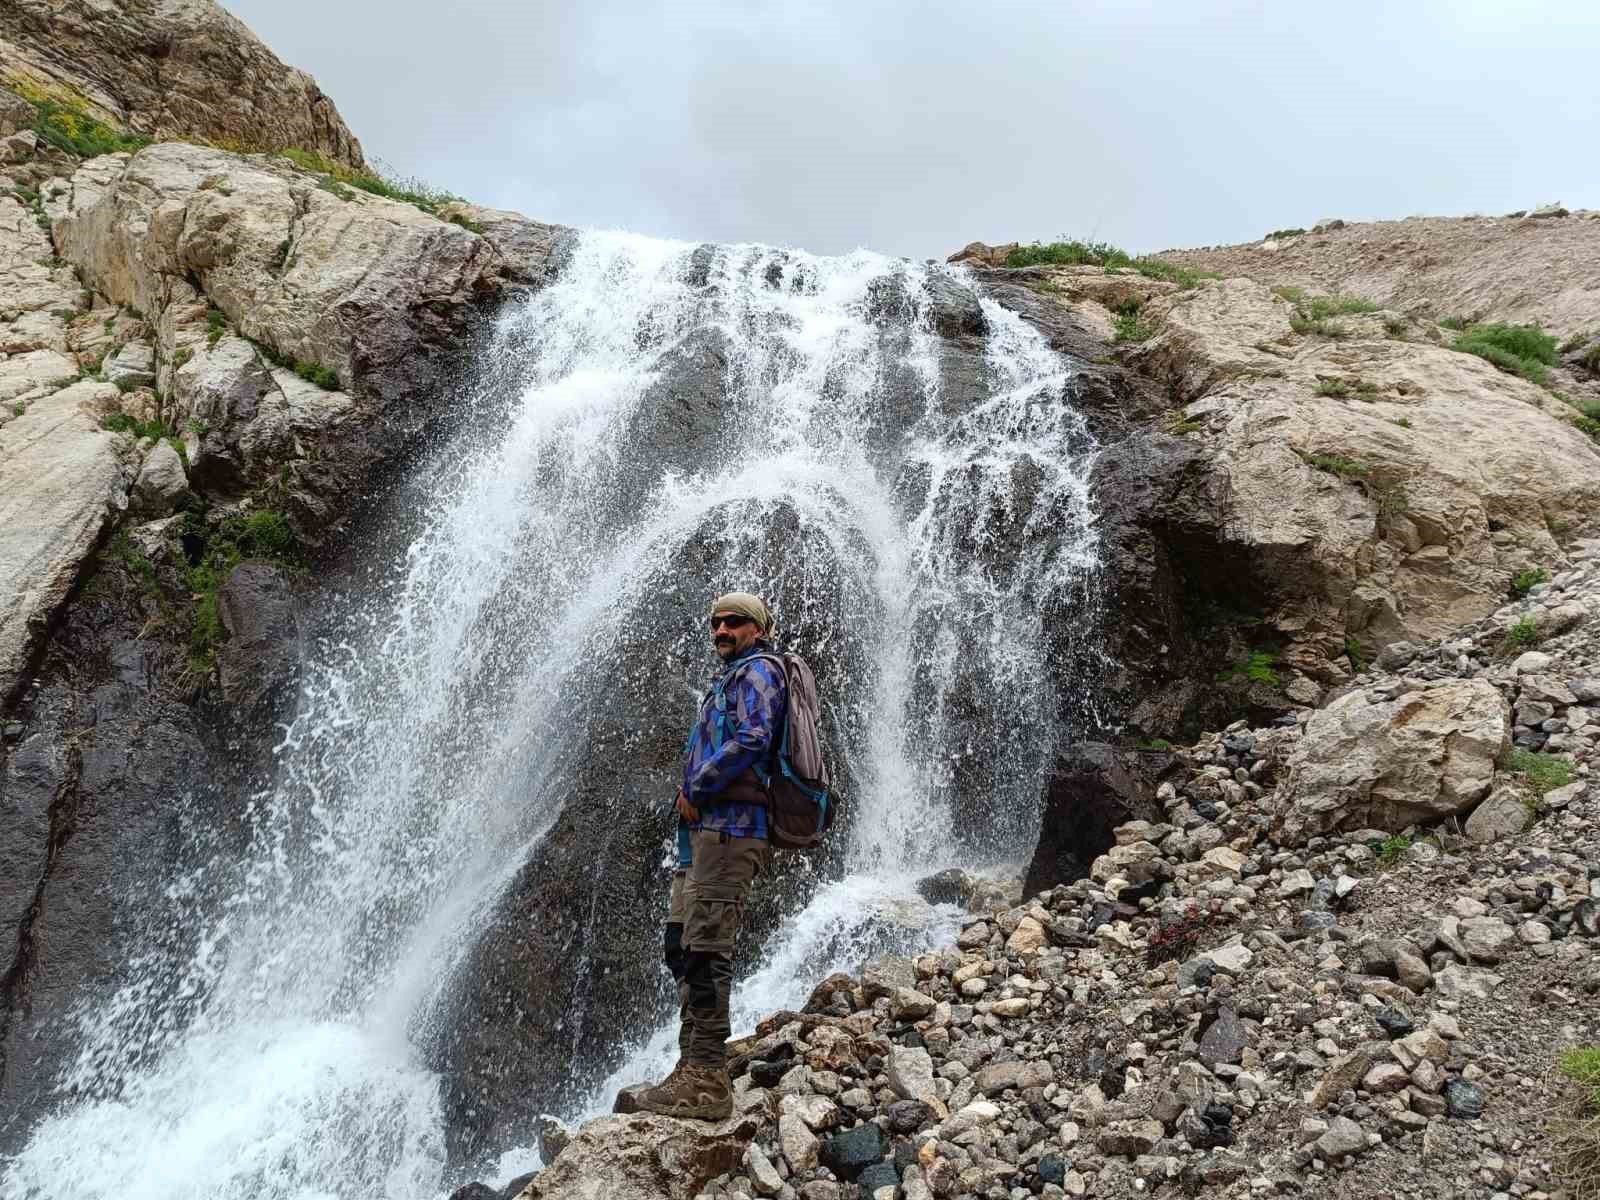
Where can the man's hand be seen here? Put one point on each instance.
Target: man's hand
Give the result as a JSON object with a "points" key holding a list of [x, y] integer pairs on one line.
{"points": [[686, 810]]}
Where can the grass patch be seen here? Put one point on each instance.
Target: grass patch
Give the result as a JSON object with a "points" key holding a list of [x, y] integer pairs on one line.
{"points": [[180, 357], [339, 179], [325, 378], [1403, 422], [1590, 358], [1575, 1131], [1333, 464], [1317, 327], [123, 423], [468, 225], [1276, 234], [1255, 667], [1543, 772], [1520, 636], [1523, 350], [1389, 501], [1524, 582], [1459, 324], [1154, 744], [1332, 387], [1069, 254], [18, 408], [1321, 307], [137, 564], [1129, 326], [1187, 278], [216, 325], [1576, 342], [1390, 850]]}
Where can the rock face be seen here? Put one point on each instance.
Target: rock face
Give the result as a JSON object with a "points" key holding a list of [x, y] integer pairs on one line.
{"points": [[62, 478], [184, 69], [643, 1158], [1384, 762]]}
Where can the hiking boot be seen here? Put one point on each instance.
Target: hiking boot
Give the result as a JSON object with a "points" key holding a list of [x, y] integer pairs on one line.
{"points": [[701, 1093]]}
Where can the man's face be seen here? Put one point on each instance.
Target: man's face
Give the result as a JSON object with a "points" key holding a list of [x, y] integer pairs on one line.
{"points": [[732, 634]]}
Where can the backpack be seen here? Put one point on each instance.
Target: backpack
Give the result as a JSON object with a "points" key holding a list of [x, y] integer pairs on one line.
{"points": [[800, 808]]}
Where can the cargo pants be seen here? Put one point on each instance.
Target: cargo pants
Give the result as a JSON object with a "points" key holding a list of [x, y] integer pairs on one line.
{"points": [[707, 906]]}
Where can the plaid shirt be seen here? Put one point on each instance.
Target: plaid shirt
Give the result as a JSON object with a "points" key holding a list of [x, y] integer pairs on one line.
{"points": [[723, 747]]}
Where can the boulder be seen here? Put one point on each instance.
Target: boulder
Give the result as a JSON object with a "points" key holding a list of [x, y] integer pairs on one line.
{"points": [[643, 1158], [132, 366], [1384, 764], [161, 484], [258, 661], [1094, 789], [61, 478], [1504, 814]]}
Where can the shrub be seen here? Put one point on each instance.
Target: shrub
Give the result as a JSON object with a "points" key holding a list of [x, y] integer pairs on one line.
{"points": [[1332, 387], [1544, 772], [1180, 935], [1255, 667], [1590, 358], [1317, 327], [1282, 233], [1525, 581], [1523, 350], [1344, 468], [325, 378], [68, 126], [1390, 850], [180, 357], [1456, 323], [469, 226], [18, 408], [1403, 422], [1069, 254], [1128, 324], [339, 179], [1294, 295], [216, 325], [1576, 342], [1389, 501], [1357, 654], [1520, 636]]}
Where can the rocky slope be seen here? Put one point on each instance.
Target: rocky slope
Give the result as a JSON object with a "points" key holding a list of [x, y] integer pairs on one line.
{"points": [[170, 68], [1343, 962]]}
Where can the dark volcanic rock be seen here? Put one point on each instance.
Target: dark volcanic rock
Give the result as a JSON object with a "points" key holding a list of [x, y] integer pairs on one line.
{"points": [[850, 1153]]}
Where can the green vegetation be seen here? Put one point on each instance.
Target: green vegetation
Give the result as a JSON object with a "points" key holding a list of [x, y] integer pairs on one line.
{"points": [[1403, 422], [325, 378], [1255, 667], [1179, 428], [1318, 308], [1276, 234], [1582, 1066], [1154, 744], [1366, 389], [216, 325], [1317, 327], [63, 120], [1344, 468], [1332, 387], [18, 408], [1187, 278], [1525, 581], [1520, 636], [180, 357], [339, 179], [137, 564], [1357, 654], [1590, 358], [262, 534], [1576, 342], [123, 423], [1389, 501], [1543, 772], [1390, 850], [1128, 324], [1459, 324], [469, 226], [1069, 254], [1523, 350], [1395, 327]]}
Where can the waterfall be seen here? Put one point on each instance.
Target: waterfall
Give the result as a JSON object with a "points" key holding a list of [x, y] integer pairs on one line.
{"points": [[886, 455]]}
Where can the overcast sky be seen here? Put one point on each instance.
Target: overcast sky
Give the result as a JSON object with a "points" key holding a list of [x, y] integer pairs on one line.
{"points": [[915, 128]]}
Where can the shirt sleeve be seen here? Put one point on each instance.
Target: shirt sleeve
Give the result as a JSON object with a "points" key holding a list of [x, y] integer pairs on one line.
{"points": [[755, 699]]}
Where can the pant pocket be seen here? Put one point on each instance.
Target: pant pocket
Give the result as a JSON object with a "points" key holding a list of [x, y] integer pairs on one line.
{"points": [[713, 923]]}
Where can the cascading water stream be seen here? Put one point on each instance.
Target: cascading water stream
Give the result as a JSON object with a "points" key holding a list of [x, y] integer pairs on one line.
{"points": [[941, 501]]}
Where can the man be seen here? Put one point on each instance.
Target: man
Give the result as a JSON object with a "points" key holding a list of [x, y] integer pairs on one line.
{"points": [[722, 845]]}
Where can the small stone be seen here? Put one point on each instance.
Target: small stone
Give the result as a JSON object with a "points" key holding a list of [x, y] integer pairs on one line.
{"points": [[1393, 1022], [995, 1078], [849, 1153], [1296, 882], [1344, 1136], [1028, 938], [1130, 1138], [1463, 1100], [907, 1116], [910, 1072], [1385, 1078], [1533, 933], [799, 1145], [1531, 662], [1224, 1040], [1231, 960], [880, 1181], [908, 1004], [552, 1135], [1011, 1008], [761, 1171]]}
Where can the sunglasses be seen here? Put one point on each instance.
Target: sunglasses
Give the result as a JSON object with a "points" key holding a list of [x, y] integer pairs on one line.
{"points": [[730, 621]]}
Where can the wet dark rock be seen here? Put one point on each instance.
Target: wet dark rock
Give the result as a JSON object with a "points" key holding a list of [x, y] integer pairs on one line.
{"points": [[1586, 918], [766, 1074], [627, 1100], [951, 886], [1053, 1169], [878, 1175], [475, 1191], [848, 1154], [1463, 1100], [514, 1189], [258, 663], [1094, 789]]}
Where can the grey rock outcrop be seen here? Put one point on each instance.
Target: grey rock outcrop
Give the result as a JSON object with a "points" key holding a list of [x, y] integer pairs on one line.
{"points": [[1387, 761], [643, 1158]]}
